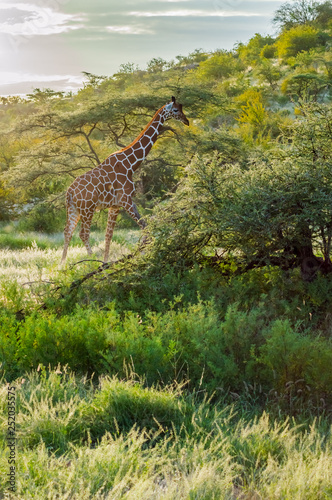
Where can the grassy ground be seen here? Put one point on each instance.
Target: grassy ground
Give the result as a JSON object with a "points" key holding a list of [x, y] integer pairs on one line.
{"points": [[30, 262], [116, 439], [117, 436]]}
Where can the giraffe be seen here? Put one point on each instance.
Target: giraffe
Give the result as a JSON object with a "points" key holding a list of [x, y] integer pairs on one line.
{"points": [[110, 184]]}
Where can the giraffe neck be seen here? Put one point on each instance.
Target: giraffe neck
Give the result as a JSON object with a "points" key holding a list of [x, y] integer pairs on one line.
{"points": [[140, 147]]}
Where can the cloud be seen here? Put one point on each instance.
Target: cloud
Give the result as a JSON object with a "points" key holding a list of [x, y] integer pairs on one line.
{"points": [[24, 19], [194, 13], [129, 30], [19, 83], [12, 77]]}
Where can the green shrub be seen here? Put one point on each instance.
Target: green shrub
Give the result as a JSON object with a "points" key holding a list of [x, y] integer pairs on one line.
{"points": [[302, 85], [77, 340], [260, 331], [299, 38], [43, 217], [219, 65], [268, 51], [8, 345], [296, 363]]}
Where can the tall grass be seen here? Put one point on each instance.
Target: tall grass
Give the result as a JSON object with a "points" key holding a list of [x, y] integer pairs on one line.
{"points": [[260, 339], [30, 263], [76, 439]]}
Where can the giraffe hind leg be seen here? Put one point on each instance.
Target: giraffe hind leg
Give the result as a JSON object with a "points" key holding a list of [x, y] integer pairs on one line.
{"points": [[85, 231], [72, 219]]}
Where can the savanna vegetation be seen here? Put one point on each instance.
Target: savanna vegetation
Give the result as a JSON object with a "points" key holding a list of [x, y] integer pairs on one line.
{"points": [[199, 365]]}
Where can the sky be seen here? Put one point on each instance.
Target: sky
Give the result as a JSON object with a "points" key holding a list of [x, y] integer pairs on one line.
{"points": [[49, 43]]}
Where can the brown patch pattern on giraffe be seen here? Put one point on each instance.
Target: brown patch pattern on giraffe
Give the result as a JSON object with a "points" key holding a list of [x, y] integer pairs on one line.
{"points": [[110, 184]]}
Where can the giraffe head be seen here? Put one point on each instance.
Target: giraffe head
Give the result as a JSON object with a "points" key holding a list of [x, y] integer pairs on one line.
{"points": [[174, 110]]}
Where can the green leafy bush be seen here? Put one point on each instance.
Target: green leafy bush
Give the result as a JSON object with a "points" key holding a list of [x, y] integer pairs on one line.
{"points": [[76, 340], [43, 217], [299, 38], [304, 85], [220, 65], [293, 357], [191, 343]]}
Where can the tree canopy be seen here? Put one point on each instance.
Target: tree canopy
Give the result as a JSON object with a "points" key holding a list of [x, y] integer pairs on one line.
{"points": [[303, 12], [256, 151]]}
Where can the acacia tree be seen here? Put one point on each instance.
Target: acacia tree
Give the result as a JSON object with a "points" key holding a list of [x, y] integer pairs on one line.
{"points": [[298, 12], [70, 134], [277, 210], [324, 14], [68, 137], [302, 85]]}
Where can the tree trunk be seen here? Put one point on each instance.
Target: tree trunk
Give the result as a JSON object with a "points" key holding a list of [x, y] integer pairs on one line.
{"points": [[307, 260]]}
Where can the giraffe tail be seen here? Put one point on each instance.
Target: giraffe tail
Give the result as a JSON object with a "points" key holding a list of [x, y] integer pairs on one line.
{"points": [[69, 198], [70, 208]]}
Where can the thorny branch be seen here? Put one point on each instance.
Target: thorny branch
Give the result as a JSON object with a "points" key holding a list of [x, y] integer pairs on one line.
{"points": [[105, 266]]}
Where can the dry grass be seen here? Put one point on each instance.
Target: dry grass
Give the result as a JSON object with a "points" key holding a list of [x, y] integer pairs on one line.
{"points": [[212, 454], [26, 274]]}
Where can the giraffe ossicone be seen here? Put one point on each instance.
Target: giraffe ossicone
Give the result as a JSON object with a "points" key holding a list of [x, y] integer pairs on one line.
{"points": [[110, 184]]}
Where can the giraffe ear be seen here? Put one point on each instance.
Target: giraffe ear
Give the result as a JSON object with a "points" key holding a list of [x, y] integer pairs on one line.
{"points": [[173, 99]]}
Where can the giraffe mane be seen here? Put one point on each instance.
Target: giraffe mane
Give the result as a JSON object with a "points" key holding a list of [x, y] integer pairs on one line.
{"points": [[143, 131]]}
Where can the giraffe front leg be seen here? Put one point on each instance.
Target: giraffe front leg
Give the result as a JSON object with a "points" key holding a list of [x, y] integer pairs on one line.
{"points": [[112, 215], [133, 212], [85, 231]]}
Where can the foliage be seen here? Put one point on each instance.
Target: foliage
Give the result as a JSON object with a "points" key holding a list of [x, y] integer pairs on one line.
{"points": [[297, 13], [212, 310], [304, 85], [44, 217], [268, 51], [7, 203], [324, 14], [251, 52], [298, 39], [303, 12], [279, 208], [224, 341], [157, 64], [218, 66], [255, 123], [268, 72]]}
